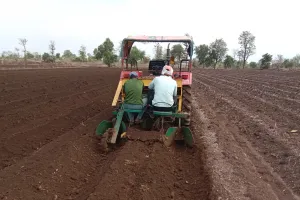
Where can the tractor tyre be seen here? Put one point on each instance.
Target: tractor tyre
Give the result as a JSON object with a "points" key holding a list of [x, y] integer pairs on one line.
{"points": [[187, 104]]}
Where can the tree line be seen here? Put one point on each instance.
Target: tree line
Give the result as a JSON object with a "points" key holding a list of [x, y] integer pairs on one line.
{"points": [[212, 55], [216, 54]]}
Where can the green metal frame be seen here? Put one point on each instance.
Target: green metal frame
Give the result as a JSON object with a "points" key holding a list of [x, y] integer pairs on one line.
{"points": [[120, 125], [156, 113]]}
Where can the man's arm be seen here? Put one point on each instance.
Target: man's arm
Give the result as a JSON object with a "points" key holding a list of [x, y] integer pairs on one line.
{"points": [[175, 93], [151, 85], [175, 90]]}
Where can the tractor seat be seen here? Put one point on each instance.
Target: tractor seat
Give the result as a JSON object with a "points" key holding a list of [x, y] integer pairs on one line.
{"points": [[162, 113]]}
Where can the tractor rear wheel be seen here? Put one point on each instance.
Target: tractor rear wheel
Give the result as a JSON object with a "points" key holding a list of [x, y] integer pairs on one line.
{"points": [[187, 104]]}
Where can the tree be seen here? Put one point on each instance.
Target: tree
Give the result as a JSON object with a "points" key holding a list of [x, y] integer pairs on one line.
{"points": [[52, 50], [106, 46], [136, 54], [109, 58], [202, 53], [218, 49], [68, 54], [265, 61], [29, 55], [17, 53], [158, 52], [37, 56], [247, 48], [177, 51], [89, 57], [23, 43], [46, 57], [296, 60], [105, 52], [253, 64], [82, 53], [278, 61], [228, 62], [57, 55], [287, 63]]}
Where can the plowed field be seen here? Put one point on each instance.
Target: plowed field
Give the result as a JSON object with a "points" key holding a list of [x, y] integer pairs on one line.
{"points": [[242, 121]]}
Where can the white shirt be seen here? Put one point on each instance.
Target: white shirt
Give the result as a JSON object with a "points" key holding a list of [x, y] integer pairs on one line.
{"points": [[165, 88]]}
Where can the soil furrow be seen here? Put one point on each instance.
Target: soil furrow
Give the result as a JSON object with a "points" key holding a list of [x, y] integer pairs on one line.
{"points": [[287, 103], [16, 146], [282, 156], [41, 113]]}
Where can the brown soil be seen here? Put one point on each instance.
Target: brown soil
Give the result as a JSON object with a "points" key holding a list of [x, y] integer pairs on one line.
{"points": [[48, 148], [242, 122]]}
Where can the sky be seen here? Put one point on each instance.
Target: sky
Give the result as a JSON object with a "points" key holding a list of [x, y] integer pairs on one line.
{"points": [[72, 23]]}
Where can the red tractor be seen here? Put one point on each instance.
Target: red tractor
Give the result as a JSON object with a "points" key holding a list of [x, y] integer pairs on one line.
{"points": [[180, 118]]}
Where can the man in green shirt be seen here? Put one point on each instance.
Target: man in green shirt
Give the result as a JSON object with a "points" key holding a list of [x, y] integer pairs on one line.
{"points": [[133, 89]]}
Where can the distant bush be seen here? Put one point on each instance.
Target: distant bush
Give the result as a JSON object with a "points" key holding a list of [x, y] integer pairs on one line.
{"points": [[253, 64]]}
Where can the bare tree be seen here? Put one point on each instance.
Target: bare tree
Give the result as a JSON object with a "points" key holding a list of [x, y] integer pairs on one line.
{"points": [[52, 50], [23, 43], [17, 54], [158, 51], [235, 53], [278, 61], [247, 48]]}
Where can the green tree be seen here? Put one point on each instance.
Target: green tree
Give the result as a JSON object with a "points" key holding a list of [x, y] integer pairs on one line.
{"points": [[46, 57], [253, 65], [202, 53], [209, 61], [265, 61], [57, 55], [218, 49], [106, 46], [228, 62], [109, 58], [68, 54], [296, 60], [177, 51], [29, 55], [158, 52], [287, 63], [97, 54], [247, 48], [136, 54], [82, 53]]}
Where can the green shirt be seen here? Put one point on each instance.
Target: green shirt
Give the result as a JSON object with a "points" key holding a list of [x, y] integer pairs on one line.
{"points": [[133, 91]]}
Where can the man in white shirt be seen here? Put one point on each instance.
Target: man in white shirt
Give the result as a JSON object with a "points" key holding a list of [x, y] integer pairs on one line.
{"points": [[165, 90]]}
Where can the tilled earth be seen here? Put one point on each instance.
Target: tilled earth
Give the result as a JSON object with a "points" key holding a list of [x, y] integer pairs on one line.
{"points": [[242, 122]]}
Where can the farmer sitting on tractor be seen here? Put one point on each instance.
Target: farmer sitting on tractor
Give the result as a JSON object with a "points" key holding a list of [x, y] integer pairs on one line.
{"points": [[133, 97], [165, 90]]}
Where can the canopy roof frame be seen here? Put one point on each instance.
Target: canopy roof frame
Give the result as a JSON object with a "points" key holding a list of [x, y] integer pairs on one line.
{"points": [[128, 42]]}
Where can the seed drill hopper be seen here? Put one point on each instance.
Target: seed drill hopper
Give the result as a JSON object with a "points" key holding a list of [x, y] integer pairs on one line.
{"points": [[171, 126]]}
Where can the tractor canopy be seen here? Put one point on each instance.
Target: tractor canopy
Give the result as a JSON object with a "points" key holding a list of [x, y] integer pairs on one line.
{"points": [[128, 42]]}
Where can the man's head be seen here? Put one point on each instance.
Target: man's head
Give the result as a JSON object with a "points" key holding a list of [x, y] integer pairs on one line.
{"points": [[167, 70], [133, 75]]}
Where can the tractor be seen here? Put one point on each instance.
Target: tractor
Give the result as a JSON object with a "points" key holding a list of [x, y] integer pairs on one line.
{"points": [[169, 126]]}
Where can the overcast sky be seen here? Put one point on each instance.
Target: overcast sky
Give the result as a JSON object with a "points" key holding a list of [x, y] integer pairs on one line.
{"points": [[72, 23]]}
